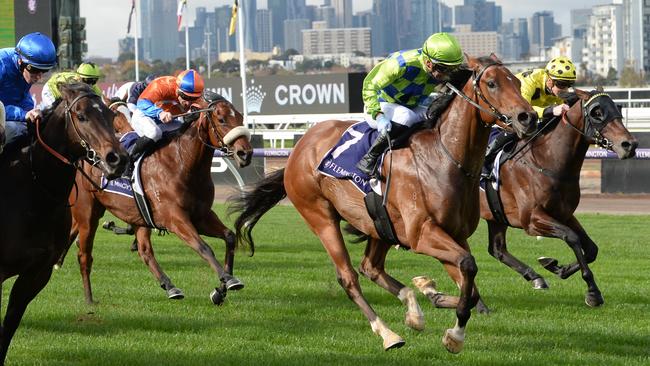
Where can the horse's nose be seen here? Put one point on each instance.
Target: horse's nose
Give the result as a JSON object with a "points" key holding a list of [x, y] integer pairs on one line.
{"points": [[244, 157], [527, 118], [630, 147]]}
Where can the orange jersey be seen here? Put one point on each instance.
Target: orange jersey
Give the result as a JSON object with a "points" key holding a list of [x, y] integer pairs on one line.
{"points": [[160, 96]]}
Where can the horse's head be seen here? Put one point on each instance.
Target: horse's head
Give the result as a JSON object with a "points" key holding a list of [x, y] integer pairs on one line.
{"points": [[498, 91], [598, 118], [89, 125], [122, 120], [226, 129]]}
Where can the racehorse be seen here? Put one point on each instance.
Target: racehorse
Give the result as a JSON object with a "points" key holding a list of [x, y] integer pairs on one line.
{"points": [[37, 182], [433, 204], [177, 181], [540, 188]]}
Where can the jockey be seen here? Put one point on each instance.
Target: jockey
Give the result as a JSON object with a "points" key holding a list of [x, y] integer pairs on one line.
{"points": [[541, 88], [21, 67], [87, 73], [130, 92], [158, 103], [396, 91]]}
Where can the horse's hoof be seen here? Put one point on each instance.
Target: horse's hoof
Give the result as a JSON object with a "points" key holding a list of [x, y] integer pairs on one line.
{"points": [[175, 293], [108, 225], [393, 343], [425, 284], [414, 321], [482, 309], [594, 300], [540, 284], [57, 267], [217, 296], [234, 284], [548, 263], [452, 344]]}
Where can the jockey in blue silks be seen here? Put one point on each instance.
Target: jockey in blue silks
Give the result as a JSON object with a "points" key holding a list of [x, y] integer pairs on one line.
{"points": [[21, 67]]}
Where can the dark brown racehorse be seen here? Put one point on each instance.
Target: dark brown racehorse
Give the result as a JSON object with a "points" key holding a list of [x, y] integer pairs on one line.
{"points": [[433, 202], [178, 184], [540, 187], [37, 181]]}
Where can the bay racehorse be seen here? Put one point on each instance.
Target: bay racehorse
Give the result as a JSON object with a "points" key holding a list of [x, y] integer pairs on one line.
{"points": [[37, 181], [540, 186], [177, 181], [433, 203]]}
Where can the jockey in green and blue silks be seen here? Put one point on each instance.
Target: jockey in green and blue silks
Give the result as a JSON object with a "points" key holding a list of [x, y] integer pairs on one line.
{"points": [[396, 91], [20, 67]]}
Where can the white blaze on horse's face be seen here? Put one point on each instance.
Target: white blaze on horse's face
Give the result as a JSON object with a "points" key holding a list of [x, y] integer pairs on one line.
{"points": [[509, 78], [97, 107], [232, 113]]}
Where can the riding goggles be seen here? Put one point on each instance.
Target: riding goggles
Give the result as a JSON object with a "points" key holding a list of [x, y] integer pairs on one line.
{"points": [[187, 97], [89, 81], [563, 84], [35, 70]]}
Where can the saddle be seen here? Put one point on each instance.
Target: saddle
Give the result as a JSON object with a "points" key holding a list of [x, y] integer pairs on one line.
{"points": [[490, 182]]}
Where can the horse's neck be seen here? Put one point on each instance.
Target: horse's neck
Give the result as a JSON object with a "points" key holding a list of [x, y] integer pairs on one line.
{"points": [[196, 153], [562, 150], [464, 135]]}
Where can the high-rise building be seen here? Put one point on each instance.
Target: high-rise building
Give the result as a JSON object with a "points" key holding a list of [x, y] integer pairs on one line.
{"points": [[477, 44], [326, 14], [293, 33], [513, 37], [264, 29], [159, 31], [646, 36], [425, 20], [541, 31], [482, 15], [390, 27], [282, 10], [605, 40], [633, 32], [343, 13], [221, 26], [326, 41]]}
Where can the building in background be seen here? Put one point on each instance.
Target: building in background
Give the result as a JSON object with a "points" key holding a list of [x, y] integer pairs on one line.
{"points": [[476, 43], [342, 13], [482, 15], [264, 31], [425, 20], [293, 33], [159, 34], [321, 40], [513, 39], [633, 33], [541, 31], [605, 39]]}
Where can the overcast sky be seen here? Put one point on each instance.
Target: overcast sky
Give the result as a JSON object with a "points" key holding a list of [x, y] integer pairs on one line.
{"points": [[106, 20]]}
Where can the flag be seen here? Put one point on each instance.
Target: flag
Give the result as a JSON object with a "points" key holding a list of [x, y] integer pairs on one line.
{"points": [[128, 27], [233, 19], [182, 4]]}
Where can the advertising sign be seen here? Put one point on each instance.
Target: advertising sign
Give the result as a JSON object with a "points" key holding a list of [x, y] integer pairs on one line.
{"points": [[295, 94], [32, 16]]}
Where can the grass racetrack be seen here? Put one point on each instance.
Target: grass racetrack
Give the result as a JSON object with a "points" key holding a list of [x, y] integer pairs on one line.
{"points": [[293, 312]]}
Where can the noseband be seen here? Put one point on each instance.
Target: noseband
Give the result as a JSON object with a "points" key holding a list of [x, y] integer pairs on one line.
{"points": [[225, 140]]}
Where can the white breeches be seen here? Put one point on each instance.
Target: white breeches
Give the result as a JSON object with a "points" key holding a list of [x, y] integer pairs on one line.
{"points": [[400, 114], [145, 126], [47, 96]]}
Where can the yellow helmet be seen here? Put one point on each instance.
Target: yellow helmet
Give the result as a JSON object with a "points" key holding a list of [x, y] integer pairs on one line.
{"points": [[561, 68]]}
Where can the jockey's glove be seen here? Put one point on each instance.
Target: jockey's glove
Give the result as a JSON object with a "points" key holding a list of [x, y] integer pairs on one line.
{"points": [[383, 124]]}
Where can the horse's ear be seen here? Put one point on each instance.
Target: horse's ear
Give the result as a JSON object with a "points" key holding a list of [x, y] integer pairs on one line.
{"points": [[66, 91], [494, 58], [471, 62], [600, 89], [582, 94]]}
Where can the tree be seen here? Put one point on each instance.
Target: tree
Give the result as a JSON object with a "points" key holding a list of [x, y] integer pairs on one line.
{"points": [[612, 76], [630, 78], [125, 57]]}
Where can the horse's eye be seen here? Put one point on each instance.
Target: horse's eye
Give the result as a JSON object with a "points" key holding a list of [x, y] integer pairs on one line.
{"points": [[81, 117], [491, 84], [597, 113]]}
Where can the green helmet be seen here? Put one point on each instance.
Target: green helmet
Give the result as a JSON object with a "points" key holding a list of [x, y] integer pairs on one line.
{"points": [[443, 48], [89, 70]]}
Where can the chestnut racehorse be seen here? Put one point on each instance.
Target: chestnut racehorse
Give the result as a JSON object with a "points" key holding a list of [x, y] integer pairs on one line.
{"points": [[433, 202], [177, 182], [540, 188], [37, 181]]}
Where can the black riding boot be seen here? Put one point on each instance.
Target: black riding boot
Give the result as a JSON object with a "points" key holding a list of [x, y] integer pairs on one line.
{"points": [[368, 163], [139, 148], [440, 104], [495, 146]]}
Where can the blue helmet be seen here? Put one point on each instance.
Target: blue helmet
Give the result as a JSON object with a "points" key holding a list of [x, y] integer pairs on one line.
{"points": [[37, 49]]}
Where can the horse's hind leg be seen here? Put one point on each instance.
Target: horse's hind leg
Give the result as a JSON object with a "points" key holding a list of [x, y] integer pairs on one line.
{"points": [[27, 286], [182, 226], [372, 266], [145, 250], [577, 240], [211, 226], [74, 231], [498, 248]]}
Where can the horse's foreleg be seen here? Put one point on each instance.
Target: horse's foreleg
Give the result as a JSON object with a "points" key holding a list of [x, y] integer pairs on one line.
{"points": [[182, 226], [27, 286], [461, 267], [145, 250], [211, 226], [372, 266], [74, 231], [498, 248], [547, 225]]}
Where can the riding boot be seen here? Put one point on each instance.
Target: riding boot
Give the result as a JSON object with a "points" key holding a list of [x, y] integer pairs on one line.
{"points": [[495, 146], [368, 163], [440, 104], [141, 146]]}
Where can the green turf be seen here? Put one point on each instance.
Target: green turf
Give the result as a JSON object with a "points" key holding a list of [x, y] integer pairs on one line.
{"points": [[293, 312]]}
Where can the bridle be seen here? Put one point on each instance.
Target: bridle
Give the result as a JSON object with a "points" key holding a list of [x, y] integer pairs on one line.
{"points": [[593, 126], [224, 140], [502, 120]]}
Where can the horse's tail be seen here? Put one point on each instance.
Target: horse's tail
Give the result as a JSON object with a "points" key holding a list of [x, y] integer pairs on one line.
{"points": [[255, 202]]}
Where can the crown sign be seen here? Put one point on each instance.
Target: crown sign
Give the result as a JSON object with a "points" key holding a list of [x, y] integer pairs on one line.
{"points": [[254, 98]]}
